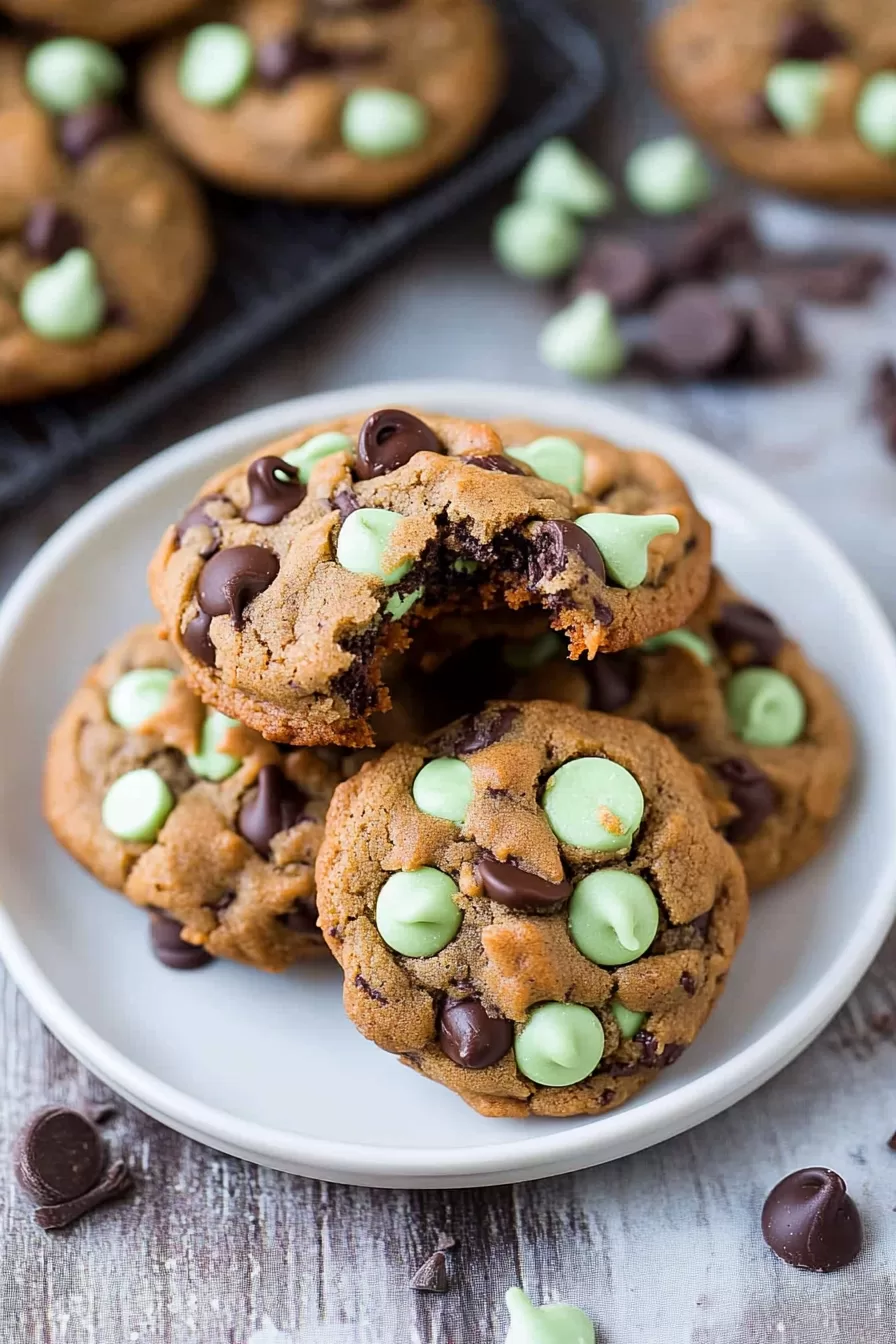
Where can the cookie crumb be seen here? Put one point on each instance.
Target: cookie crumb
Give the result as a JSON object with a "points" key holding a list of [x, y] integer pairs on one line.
{"points": [[432, 1276]]}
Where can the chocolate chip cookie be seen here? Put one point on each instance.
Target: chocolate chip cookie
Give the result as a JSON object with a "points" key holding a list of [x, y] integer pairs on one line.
{"points": [[189, 814], [743, 702], [294, 574], [344, 101], [104, 241], [533, 909], [109, 21], [800, 95]]}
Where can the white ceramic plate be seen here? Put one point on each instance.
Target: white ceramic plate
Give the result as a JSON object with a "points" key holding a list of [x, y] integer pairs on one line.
{"points": [[268, 1067]]}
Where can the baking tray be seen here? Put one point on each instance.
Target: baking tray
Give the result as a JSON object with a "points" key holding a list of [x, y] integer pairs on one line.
{"points": [[277, 261]]}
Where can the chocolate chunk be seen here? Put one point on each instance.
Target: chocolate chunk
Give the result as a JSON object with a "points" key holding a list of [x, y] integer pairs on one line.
{"points": [[805, 36], [555, 542], [774, 344], [299, 920], [116, 1182], [170, 948], [50, 231], [747, 634], [651, 1057], [80, 133], [346, 502], [751, 792], [432, 1276], [613, 678], [518, 890], [196, 516], [282, 59], [810, 1221], [275, 806], [197, 639], [389, 439], [721, 238], [275, 489], [825, 276], [481, 730], [688, 983], [59, 1155], [882, 399], [496, 462], [470, 1037], [624, 269], [230, 580], [696, 331]]}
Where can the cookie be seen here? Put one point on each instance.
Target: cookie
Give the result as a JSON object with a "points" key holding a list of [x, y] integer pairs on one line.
{"points": [[104, 240], [346, 101], [800, 96], [294, 574], [742, 701], [533, 909], [191, 816], [111, 21]]}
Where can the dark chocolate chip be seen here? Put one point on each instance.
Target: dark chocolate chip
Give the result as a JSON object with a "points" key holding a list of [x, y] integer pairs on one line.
{"points": [[882, 399], [721, 238], [282, 59], [696, 331], [810, 1221], [839, 277], [196, 516], [197, 640], [276, 805], [891, 1142], [116, 1182], [170, 948], [275, 489], [613, 678], [624, 269], [496, 462], [59, 1155], [389, 439], [518, 890], [230, 580], [805, 36], [432, 1276], [346, 502], [688, 983], [747, 634], [482, 730], [556, 542], [50, 231], [80, 133], [651, 1057], [299, 920], [751, 792], [470, 1037], [368, 989], [774, 344]]}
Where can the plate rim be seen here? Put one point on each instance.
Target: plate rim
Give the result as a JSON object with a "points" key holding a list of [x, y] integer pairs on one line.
{"points": [[587, 1143]]}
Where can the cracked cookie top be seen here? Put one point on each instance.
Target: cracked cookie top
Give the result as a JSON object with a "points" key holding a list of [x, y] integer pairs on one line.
{"points": [[533, 908], [187, 813], [296, 572]]}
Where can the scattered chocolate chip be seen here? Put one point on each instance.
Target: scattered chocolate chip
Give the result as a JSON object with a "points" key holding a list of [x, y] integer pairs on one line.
{"points": [[555, 542], [276, 805], [275, 489], [481, 730], [80, 133], [891, 1142], [230, 580], [59, 1155], [170, 948], [432, 1276], [197, 640], [810, 1221], [696, 331], [824, 276], [805, 36], [299, 920], [882, 399], [368, 989], [688, 983], [720, 238], [624, 269], [613, 678], [518, 890], [282, 59], [496, 462], [751, 792], [50, 231], [389, 439], [773, 345], [116, 1182], [748, 635], [470, 1037], [196, 516]]}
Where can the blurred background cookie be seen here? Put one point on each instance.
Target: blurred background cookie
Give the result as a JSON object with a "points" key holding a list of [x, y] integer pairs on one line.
{"points": [[106, 20]]}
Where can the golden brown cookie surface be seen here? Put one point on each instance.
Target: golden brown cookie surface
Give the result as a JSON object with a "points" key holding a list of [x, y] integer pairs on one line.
{"points": [[105, 20], [232, 861], [713, 58], [456, 926], [283, 132]]}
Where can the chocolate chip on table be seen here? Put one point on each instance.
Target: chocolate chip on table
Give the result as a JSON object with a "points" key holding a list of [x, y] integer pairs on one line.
{"points": [[811, 1221], [80, 133], [50, 231], [389, 439], [471, 1037], [804, 36], [824, 276], [281, 59], [432, 1276], [882, 398], [59, 1155], [613, 679], [196, 516], [751, 792], [721, 238], [518, 890], [170, 948], [625, 269], [748, 635], [891, 1142], [696, 331], [276, 806], [275, 489], [116, 1182], [232, 578], [497, 462], [774, 344], [196, 639]]}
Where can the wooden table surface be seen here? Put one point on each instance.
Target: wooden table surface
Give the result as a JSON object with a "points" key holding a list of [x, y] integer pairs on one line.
{"points": [[660, 1248]]}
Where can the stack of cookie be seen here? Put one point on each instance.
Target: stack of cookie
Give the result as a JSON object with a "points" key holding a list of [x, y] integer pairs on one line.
{"points": [[535, 903]]}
